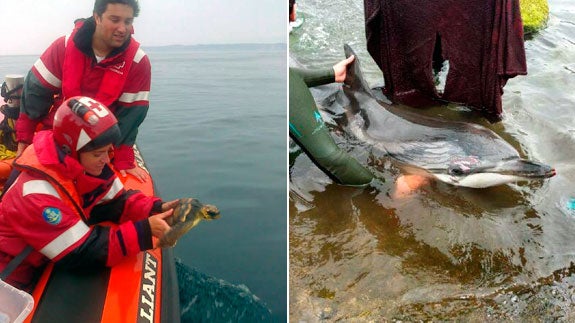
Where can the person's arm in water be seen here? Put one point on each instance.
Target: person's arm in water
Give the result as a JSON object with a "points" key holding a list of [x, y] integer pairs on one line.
{"points": [[308, 130]]}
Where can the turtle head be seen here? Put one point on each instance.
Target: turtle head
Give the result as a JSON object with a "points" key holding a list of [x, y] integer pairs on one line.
{"points": [[190, 208], [210, 212]]}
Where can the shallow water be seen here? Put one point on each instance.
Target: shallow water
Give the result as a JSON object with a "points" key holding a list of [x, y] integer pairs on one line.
{"points": [[443, 253]]}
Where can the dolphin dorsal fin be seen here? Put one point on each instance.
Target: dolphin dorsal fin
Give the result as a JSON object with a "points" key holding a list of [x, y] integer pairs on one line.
{"points": [[354, 77]]}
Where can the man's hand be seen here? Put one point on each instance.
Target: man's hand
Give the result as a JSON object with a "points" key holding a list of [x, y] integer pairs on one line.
{"points": [[137, 172], [340, 69]]}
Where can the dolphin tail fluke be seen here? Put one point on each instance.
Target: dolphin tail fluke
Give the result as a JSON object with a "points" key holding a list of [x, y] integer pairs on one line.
{"points": [[354, 77]]}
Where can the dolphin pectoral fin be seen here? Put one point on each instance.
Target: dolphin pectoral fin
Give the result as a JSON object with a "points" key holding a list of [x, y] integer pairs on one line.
{"points": [[405, 185]]}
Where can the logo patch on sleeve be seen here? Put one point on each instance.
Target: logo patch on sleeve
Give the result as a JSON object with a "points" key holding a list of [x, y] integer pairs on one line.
{"points": [[52, 215]]}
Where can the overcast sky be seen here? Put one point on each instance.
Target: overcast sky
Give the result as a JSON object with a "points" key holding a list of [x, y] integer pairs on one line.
{"points": [[29, 26]]}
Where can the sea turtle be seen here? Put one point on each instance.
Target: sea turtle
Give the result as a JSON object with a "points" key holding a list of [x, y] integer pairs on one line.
{"points": [[187, 215]]}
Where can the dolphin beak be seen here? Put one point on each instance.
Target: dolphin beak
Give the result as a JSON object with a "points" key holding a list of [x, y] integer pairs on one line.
{"points": [[525, 168]]}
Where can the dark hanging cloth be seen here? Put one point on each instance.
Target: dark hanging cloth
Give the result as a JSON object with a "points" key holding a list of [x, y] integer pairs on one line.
{"points": [[482, 39]]}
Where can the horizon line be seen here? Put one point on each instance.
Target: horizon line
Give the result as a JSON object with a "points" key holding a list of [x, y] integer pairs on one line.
{"points": [[174, 45]]}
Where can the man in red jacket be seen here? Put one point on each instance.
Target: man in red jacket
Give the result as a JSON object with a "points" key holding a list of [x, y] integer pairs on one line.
{"points": [[101, 60], [65, 189]]}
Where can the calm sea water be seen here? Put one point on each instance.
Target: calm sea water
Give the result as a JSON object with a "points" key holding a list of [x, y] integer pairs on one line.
{"points": [[444, 253], [216, 131]]}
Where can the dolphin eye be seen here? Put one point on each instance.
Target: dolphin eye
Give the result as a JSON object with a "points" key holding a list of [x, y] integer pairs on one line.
{"points": [[455, 170]]}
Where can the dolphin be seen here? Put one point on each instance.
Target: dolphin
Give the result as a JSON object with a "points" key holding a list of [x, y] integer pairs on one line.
{"points": [[457, 153]]}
